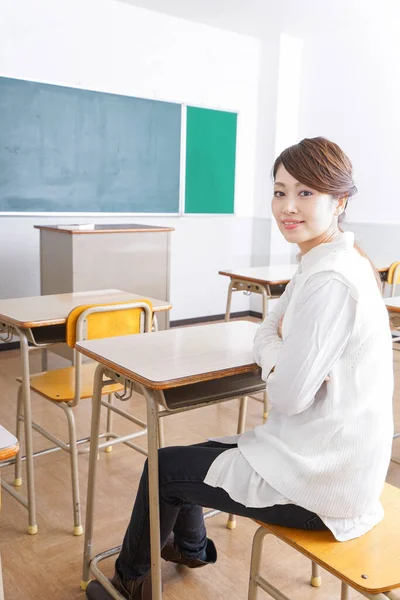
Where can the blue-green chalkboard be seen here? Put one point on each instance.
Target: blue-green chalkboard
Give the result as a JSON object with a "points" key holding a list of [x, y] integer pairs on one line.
{"points": [[72, 150]]}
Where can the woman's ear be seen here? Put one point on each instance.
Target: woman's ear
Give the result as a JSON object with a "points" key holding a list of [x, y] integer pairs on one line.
{"points": [[341, 204]]}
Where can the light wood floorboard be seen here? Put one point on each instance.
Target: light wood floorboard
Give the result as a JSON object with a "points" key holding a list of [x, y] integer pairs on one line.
{"points": [[48, 566]]}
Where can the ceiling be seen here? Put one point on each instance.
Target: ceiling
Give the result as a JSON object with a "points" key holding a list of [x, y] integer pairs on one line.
{"points": [[297, 17]]}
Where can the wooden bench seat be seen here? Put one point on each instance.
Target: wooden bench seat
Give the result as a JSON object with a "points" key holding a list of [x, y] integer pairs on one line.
{"points": [[369, 564]]}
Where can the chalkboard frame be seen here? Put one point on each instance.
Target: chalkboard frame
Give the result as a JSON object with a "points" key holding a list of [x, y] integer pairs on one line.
{"points": [[183, 141]]}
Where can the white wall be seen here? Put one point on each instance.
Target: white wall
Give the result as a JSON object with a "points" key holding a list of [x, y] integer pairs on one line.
{"points": [[110, 46], [351, 94]]}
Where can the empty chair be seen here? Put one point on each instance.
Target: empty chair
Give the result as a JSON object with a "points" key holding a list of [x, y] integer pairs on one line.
{"points": [[66, 387]]}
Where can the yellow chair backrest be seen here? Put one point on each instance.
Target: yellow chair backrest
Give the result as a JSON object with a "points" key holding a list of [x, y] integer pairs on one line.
{"points": [[391, 271], [105, 324]]}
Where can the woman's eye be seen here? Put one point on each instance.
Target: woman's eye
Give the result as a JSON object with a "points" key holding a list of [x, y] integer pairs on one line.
{"points": [[305, 193], [278, 194]]}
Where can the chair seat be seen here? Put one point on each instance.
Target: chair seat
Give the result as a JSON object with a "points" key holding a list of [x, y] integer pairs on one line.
{"points": [[59, 385], [375, 554]]}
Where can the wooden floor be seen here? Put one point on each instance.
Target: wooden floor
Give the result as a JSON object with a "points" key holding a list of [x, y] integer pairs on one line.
{"points": [[47, 566]]}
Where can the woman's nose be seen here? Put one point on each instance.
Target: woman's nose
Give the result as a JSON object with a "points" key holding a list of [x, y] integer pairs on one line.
{"points": [[290, 205]]}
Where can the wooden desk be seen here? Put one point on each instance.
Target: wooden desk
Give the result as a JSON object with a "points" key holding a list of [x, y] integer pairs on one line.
{"points": [[270, 282], [132, 257], [40, 321], [393, 304], [176, 370]]}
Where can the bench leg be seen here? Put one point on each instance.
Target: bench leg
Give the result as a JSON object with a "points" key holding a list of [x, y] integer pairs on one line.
{"points": [[256, 580], [316, 575], [256, 561], [345, 592]]}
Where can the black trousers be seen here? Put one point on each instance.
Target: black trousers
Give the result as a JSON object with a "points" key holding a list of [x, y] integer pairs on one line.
{"points": [[183, 493]]}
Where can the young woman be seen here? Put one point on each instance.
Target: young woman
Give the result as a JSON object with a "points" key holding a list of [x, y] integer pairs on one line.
{"points": [[321, 458]]}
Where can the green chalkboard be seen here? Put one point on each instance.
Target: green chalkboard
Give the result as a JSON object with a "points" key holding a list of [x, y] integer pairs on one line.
{"points": [[210, 161], [72, 150]]}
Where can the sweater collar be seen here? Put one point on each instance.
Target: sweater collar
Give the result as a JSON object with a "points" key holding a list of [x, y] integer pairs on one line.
{"points": [[345, 241]]}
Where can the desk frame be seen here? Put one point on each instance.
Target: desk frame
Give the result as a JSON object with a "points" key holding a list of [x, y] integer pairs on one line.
{"points": [[249, 286], [26, 336], [253, 285], [156, 408]]}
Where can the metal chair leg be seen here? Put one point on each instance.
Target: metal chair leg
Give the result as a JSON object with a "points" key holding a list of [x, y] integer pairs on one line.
{"points": [[109, 421], [73, 451]]}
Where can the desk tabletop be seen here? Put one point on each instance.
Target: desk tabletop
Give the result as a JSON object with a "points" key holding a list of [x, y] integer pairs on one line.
{"points": [[393, 304], [104, 228], [274, 275], [8, 444], [175, 357], [40, 311], [264, 275]]}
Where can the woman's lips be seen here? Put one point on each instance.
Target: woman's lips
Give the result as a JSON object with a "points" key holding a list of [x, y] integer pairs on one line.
{"points": [[292, 224]]}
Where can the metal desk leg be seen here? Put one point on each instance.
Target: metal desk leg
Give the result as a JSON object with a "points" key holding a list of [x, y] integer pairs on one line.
{"points": [[94, 448], [266, 294], [228, 302], [153, 494], [265, 298], [26, 399], [231, 523], [44, 360]]}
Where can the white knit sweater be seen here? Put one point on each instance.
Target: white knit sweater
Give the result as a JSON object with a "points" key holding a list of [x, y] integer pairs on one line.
{"points": [[327, 450]]}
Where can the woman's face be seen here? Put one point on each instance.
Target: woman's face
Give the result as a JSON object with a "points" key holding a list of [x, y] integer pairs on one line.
{"points": [[304, 216]]}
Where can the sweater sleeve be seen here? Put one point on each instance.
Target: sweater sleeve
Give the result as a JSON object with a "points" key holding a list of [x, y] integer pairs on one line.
{"points": [[320, 329], [267, 343]]}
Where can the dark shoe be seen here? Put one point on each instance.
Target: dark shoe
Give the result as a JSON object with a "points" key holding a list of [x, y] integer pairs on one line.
{"points": [[171, 553], [135, 589]]}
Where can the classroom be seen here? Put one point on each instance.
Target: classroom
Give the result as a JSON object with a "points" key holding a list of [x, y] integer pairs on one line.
{"points": [[156, 262]]}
